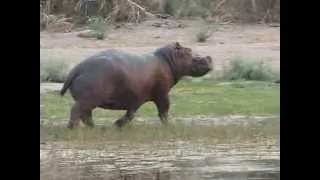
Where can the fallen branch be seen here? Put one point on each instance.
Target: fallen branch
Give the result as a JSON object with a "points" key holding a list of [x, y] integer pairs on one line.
{"points": [[141, 8]]}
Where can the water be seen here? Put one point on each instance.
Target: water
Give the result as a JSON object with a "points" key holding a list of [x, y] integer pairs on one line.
{"points": [[175, 160]]}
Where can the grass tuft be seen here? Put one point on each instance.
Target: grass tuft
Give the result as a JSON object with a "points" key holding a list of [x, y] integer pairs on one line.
{"points": [[251, 70], [99, 26], [203, 35]]}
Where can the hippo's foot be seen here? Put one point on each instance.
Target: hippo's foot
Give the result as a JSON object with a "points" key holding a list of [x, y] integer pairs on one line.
{"points": [[70, 125], [89, 124], [164, 123], [119, 123], [125, 119], [164, 119]]}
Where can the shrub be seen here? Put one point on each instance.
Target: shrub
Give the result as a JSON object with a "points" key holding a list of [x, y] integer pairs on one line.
{"points": [[240, 69], [53, 71], [203, 35], [99, 26]]}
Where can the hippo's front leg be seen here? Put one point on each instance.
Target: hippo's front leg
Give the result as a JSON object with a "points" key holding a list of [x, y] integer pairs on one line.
{"points": [[163, 104], [130, 114]]}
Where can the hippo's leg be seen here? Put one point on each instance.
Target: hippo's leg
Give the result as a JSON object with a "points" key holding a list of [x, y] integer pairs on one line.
{"points": [[74, 116], [86, 118], [125, 118], [163, 105], [81, 110]]}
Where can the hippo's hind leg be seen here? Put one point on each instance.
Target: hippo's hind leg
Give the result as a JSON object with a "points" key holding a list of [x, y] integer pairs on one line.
{"points": [[130, 114], [86, 118], [163, 105], [74, 116], [80, 111]]}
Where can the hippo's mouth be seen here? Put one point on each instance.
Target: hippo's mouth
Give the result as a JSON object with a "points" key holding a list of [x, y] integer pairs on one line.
{"points": [[201, 66]]}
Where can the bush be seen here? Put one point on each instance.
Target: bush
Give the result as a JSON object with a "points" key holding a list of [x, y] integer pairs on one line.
{"points": [[203, 35], [240, 69], [99, 26], [53, 71]]}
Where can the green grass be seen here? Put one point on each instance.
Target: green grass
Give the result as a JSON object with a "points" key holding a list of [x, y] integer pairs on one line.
{"points": [[147, 133], [187, 99]]}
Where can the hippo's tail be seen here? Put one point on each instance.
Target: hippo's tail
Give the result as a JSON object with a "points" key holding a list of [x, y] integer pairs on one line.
{"points": [[67, 83]]}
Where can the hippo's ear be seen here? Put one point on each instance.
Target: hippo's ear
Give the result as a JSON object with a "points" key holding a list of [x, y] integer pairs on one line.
{"points": [[177, 44]]}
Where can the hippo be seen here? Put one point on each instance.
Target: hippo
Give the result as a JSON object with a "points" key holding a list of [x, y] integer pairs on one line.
{"points": [[116, 80]]}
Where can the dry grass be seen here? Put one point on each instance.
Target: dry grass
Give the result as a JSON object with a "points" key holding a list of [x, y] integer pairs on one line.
{"points": [[148, 133], [243, 11], [138, 10]]}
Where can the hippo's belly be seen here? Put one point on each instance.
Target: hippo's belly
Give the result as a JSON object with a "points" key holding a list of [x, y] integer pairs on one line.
{"points": [[124, 103], [115, 105]]}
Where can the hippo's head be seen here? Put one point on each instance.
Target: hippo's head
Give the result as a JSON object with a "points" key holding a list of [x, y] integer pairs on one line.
{"points": [[200, 66], [184, 62]]}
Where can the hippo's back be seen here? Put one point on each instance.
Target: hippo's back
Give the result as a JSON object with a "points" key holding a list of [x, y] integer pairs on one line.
{"points": [[114, 66]]}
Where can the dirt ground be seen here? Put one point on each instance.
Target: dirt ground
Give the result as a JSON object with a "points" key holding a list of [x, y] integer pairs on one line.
{"points": [[248, 41]]}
